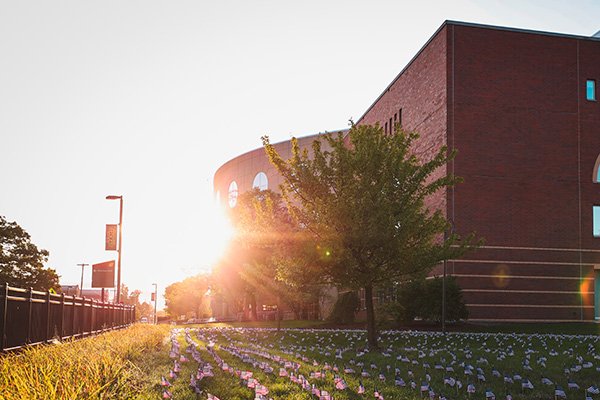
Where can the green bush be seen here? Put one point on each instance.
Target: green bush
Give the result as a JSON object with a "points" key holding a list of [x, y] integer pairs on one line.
{"points": [[431, 305], [345, 308], [423, 299]]}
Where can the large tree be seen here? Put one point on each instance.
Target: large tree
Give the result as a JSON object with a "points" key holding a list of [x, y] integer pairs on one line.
{"points": [[363, 199], [21, 262], [189, 297]]}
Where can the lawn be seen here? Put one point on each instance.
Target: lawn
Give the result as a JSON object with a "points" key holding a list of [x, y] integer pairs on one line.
{"points": [[411, 364], [301, 362]]}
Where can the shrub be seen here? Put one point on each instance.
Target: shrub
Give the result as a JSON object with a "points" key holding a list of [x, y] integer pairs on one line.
{"points": [[423, 298], [345, 308]]}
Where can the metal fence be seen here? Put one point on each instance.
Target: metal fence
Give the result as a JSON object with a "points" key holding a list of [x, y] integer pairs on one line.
{"points": [[31, 317]]}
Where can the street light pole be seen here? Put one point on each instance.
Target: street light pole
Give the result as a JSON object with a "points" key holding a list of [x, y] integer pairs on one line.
{"points": [[155, 300], [81, 287], [120, 198]]}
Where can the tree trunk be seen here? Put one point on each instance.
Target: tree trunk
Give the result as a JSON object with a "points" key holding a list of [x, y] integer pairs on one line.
{"points": [[253, 310], [371, 328]]}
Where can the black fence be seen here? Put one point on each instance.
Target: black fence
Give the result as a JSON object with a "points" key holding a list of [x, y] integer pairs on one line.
{"points": [[31, 317]]}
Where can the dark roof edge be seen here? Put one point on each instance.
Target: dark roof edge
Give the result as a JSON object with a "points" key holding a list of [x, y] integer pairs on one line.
{"points": [[471, 25], [521, 30]]}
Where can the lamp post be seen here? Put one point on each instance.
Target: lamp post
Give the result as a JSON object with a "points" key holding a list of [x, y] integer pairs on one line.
{"points": [[120, 198], [155, 300]]}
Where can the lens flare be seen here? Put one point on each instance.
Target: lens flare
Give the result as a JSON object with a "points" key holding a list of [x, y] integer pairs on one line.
{"points": [[501, 276], [586, 289]]}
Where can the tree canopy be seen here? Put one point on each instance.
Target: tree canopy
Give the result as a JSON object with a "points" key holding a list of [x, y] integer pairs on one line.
{"points": [[363, 200], [189, 297], [21, 262]]}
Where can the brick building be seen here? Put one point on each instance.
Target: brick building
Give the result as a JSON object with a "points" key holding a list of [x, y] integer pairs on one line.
{"points": [[521, 109]]}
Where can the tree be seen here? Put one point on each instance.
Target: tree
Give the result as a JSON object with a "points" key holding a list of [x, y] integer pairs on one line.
{"points": [[363, 200], [21, 262], [189, 297], [145, 309]]}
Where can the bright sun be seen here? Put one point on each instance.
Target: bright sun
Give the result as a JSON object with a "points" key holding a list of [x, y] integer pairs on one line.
{"points": [[216, 232]]}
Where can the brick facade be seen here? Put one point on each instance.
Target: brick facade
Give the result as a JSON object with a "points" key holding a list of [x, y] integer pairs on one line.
{"points": [[512, 103]]}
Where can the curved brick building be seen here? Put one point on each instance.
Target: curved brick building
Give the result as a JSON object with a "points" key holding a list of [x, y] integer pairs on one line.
{"points": [[521, 109]]}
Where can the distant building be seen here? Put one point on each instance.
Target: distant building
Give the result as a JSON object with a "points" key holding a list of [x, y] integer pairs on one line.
{"points": [[95, 294], [521, 109], [70, 290]]}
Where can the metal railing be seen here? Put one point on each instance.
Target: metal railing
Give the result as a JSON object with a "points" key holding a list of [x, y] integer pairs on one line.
{"points": [[30, 317]]}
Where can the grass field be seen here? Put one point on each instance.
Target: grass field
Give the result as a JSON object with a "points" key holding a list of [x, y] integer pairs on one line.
{"points": [[137, 363], [435, 365], [114, 365]]}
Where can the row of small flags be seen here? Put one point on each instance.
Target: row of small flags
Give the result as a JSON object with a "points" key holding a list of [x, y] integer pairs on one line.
{"points": [[525, 384]]}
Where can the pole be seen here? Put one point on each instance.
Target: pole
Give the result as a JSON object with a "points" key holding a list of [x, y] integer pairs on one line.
{"points": [[444, 300], [81, 287], [444, 279], [155, 302], [120, 247]]}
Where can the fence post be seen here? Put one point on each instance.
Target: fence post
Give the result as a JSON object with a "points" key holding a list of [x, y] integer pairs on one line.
{"points": [[103, 315], [73, 317], [82, 317], [47, 315], [29, 307], [62, 316], [3, 312], [93, 317]]}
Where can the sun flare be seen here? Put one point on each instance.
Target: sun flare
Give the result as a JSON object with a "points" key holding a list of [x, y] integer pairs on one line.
{"points": [[216, 233]]}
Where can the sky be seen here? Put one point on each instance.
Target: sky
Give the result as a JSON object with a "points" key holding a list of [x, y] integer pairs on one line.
{"points": [[146, 99]]}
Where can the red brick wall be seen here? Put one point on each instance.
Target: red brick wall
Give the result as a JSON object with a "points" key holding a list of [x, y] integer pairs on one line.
{"points": [[527, 143], [420, 91]]}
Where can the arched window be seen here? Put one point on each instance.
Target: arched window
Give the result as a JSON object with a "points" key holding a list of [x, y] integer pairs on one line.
{"points": [[596, 174], [233, 194], [260, 181]]}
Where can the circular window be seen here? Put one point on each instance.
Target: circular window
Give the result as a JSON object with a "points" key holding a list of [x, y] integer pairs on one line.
{"points": [[233, 194], [260, 181]]}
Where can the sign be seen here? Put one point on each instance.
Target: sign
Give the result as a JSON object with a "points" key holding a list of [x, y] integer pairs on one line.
{"points": [[111, 237], [103, 275], [152, 297]]}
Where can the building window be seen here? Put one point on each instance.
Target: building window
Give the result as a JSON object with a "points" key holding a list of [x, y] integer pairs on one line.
{"points": [[590, 90], [400, 117], [260, 181], [233, 194], [391, 126], [386, 128], [597, 221]]}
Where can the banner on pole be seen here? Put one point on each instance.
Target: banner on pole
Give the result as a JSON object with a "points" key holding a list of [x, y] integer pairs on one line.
{"points": [[111, 237], [103, 275]]}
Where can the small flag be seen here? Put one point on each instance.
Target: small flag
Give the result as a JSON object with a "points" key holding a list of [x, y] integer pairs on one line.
{"points": [[361, 388], [559, 392]]}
